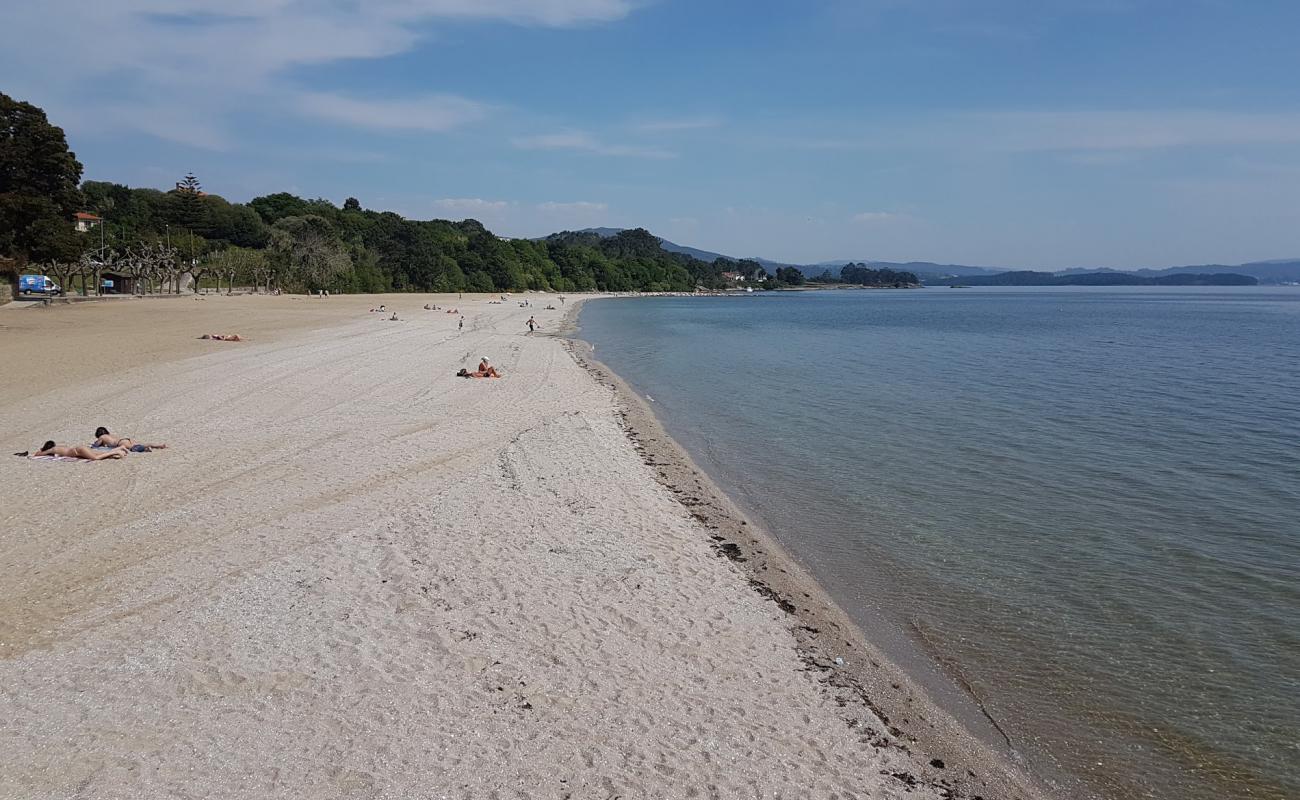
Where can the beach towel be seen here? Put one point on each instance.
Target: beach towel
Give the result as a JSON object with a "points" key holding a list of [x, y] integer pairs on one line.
{"points": [[57, 458]]}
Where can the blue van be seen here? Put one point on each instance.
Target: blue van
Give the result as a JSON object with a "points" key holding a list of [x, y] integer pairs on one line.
{"points": [[37, 284]]}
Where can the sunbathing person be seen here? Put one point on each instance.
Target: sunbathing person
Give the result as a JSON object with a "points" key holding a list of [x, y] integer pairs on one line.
{"points": [[223, 337], [74, 451], [485, 370], [105, 439]]}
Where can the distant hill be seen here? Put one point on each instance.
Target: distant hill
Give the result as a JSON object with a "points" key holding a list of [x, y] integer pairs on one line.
{"points": [[932, 273], [1273, 272], [1267, 272], [1281, 271], [694, 252], [918, 267], [672, 247], [1108, 278]]}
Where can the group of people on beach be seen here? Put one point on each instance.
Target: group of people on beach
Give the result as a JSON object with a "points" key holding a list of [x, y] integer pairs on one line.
{"points": [[105, 446]]}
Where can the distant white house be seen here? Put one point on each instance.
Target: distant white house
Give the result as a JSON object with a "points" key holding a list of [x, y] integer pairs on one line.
{"points": [[734, 277], [85, 221]]}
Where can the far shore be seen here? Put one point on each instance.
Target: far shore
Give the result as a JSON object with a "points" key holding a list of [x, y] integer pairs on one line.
{"points": [[354, 574]]}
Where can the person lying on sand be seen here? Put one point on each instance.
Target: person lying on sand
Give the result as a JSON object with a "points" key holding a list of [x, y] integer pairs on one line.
{"points": [[223, 337], [74, 451], [105, 439]]}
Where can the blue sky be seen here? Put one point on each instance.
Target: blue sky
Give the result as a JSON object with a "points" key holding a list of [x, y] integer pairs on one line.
{"points": [[1026, 133]]}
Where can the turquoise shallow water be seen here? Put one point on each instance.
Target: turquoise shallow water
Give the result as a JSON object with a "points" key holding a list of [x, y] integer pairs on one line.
{"points": [[1085, 503]]}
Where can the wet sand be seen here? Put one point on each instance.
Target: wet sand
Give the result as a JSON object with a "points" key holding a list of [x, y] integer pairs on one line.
{"points": [[353, 574]]}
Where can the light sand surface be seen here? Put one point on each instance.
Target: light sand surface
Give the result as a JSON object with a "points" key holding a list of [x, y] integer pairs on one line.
{"points": [[353, 574]]}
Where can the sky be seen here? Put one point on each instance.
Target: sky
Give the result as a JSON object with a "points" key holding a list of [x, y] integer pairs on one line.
{"points": [[1018, 133]]}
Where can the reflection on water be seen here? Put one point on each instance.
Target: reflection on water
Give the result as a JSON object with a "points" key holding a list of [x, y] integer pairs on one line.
{"points": [[1086, 499]]}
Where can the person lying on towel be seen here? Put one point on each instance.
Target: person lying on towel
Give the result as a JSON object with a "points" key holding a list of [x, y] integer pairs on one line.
{"points": [[74, 451], [105, 439]]}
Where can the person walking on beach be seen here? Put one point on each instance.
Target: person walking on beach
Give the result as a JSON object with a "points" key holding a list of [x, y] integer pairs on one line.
{"points": [[460, 326], [532, 325]]}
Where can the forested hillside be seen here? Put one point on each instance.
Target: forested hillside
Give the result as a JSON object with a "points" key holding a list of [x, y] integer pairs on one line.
{"points": [[313, 244]]}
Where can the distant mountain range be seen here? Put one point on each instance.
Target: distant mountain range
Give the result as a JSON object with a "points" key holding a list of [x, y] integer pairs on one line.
{"points": [[1283, 271], [1107, 278]]}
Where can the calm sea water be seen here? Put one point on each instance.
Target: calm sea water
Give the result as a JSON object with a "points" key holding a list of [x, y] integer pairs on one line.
{"points": [[1083, 503]]}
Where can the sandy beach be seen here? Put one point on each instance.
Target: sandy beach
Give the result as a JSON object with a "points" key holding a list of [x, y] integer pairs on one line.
{"points": [[354, 575]]}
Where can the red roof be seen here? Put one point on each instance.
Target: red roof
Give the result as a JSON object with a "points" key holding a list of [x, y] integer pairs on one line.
{"points": [[88, 217]]}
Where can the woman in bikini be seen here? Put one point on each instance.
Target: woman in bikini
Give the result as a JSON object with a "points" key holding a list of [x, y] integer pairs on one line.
{"points": [[74, 451], [105, 439]]}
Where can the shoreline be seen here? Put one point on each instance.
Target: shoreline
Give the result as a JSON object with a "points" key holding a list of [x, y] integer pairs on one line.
{"points": [[856, 673], [353, 574]]}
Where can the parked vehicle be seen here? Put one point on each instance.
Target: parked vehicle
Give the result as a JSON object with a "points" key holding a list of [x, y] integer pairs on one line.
{"points": [[37, 284]]}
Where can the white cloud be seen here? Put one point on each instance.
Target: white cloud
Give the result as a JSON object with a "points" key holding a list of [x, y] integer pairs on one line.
{"points": [[117, 58], [876, 216], [471, 205], [580, 207], [555, 13], [580, 141], [674, 125], [433, 113], [1135, 130], [1069, 131]]}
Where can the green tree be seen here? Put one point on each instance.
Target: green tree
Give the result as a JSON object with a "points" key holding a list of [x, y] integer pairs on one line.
{"points": [[275, 207], [310, 252], [187, 207], [38, 186], [235, 263], [789, 276]]}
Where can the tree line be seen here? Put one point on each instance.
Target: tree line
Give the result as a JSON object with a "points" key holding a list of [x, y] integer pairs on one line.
{"points": [[299, 244]]}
